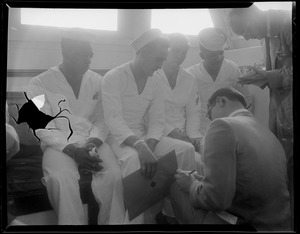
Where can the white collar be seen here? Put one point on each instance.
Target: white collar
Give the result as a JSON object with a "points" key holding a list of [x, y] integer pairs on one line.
{"points": [[237, 112]]}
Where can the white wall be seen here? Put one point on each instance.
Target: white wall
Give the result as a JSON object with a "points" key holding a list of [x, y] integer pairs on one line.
{"points": [[37, 47], [246, 57]]}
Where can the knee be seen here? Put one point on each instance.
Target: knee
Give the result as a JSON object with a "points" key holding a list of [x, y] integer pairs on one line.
{"points": [[187, 148], [104, 148], [61, 179]]}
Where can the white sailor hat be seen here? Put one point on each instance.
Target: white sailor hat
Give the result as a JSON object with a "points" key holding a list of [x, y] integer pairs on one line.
{"points": [[213, 39], [146, 38]]}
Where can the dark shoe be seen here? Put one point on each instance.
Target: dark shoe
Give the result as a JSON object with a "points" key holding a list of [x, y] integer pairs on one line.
{"points": [[163, 219]]}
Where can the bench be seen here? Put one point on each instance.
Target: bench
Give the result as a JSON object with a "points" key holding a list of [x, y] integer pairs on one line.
{"points": [[25, 192]]}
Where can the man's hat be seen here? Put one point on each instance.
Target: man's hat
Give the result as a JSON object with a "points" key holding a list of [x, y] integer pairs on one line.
{"points": [[146, 38], [213, 39]]}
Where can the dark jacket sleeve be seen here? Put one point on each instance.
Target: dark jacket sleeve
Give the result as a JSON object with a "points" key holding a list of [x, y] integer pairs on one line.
{"points": [[216, 191]]}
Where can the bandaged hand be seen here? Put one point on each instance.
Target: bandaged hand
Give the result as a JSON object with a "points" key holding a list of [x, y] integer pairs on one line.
{"points": [[184, 180], [147, 159]]}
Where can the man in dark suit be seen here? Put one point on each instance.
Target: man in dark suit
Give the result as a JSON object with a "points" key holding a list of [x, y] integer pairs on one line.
{"points": [[245, 177]]}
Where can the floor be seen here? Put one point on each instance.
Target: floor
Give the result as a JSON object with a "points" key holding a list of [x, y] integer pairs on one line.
{"points": [[49, 217], [43, 218]]}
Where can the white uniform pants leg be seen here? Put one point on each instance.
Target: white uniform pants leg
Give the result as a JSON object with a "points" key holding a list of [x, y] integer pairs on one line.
{"points": [[185, 154], [108, 188], [129, 163], [61, 180]]}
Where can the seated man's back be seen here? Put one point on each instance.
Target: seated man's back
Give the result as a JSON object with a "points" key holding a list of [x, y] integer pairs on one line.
{"points": [[261, 182], [245, 171]]}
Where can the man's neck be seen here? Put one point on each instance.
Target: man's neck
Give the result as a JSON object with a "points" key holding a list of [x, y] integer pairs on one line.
{"points": [[137, 72], [212, 69], [170, 71], [70, 75]]}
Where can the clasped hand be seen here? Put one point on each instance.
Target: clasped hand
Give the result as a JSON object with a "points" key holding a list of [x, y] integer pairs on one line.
{"points": [[87, 158]]}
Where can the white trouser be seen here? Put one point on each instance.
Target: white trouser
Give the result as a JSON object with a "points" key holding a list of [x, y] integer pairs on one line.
{"points": [[129, 160], [61, 179]]}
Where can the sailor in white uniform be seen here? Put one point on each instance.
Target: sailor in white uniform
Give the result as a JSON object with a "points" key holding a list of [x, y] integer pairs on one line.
{"points": [[130, 94], [214, 71], [72, 86], [182, 102]]}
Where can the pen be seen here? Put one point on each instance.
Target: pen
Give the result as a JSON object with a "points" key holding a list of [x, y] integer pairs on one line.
{"points": [[192, 172]]}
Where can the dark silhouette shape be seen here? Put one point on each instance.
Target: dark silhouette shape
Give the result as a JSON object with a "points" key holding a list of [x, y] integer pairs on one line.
{"points": [[30, 114]]}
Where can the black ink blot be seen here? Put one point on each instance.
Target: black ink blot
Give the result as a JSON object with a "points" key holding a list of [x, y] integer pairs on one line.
{"points": [[36, 119]]}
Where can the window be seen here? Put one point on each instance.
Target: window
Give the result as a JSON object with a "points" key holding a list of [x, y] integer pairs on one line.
{"points": [[186, 21], [264, 6], [101, 19]]}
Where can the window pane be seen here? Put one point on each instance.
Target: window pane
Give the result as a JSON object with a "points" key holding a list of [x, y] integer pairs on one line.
{"points": [[264, 6], [187, 21], [104, 19]]}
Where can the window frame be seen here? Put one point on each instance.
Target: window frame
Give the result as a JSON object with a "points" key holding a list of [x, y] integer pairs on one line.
{"points": [[55, 26]]}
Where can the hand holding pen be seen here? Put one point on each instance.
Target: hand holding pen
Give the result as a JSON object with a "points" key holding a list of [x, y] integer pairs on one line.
{"points": [[192, 172], [184, 179]]}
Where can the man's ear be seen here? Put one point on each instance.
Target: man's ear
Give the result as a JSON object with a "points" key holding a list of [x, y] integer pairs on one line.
{"points": [[142, 53], [221, 101]]}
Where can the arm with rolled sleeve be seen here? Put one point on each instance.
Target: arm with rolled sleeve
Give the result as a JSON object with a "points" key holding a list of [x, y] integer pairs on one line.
{"points": [[156, 113], [112, 107], [217, 189], [55, 138], [193, 110]]}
